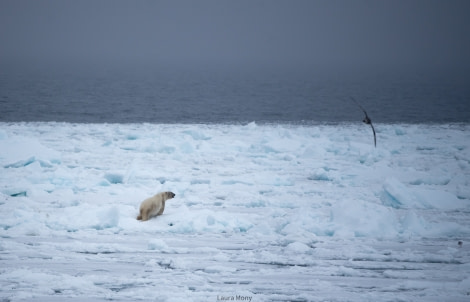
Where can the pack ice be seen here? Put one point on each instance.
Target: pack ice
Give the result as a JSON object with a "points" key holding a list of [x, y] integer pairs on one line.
{"points": [[261, 213]]}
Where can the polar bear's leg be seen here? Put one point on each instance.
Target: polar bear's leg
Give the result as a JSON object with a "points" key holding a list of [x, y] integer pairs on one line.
{"points": [[162, 208], [149, 211], [144, 214]]}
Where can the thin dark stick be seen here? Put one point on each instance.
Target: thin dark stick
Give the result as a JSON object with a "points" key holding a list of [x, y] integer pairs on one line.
{"points": [[366, 120]]}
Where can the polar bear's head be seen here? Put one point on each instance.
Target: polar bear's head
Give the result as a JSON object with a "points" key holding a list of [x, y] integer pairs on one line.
{"points": [[169, 195]]}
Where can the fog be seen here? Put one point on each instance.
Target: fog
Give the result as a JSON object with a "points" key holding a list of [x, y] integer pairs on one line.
{"points": [[327, 34]]}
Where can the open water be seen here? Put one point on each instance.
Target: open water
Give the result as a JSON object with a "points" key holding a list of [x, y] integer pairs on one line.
{"points": [[229, 96]]}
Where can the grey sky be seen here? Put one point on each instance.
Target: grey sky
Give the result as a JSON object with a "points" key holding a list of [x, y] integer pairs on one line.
{"points": [[325, 33]]}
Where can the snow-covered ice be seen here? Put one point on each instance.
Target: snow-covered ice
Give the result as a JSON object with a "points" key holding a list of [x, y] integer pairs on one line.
{"points": [[261, 213]]}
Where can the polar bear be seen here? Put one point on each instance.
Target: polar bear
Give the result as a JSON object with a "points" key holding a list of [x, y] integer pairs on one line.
{"points": [[154, 205]]}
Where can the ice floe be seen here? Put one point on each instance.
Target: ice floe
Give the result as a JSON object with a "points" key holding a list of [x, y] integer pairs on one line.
{"points": [[272, 212]]}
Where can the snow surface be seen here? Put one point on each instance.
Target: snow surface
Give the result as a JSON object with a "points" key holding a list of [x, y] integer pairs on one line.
{"points": [[262, 212]]}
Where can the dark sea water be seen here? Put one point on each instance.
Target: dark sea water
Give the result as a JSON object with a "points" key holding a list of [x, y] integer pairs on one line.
{"points": [[229, 96]]}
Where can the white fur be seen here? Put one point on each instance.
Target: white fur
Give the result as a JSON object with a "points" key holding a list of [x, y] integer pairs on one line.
{"points": [[154, 205]]}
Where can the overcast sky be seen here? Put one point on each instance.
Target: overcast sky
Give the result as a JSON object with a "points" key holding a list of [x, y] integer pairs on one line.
{"points": [[329, 33]]}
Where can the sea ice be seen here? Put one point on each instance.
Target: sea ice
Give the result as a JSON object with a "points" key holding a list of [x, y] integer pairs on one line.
{"points": [[271, 212]]}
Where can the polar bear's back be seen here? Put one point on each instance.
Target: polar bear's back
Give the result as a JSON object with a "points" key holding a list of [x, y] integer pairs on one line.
{"points": [[152, 202]]}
